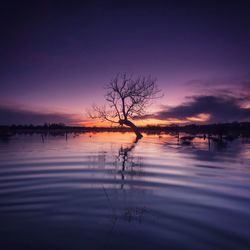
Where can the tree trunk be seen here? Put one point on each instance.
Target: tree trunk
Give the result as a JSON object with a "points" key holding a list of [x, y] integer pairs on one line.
{"points": [[132, 126]]}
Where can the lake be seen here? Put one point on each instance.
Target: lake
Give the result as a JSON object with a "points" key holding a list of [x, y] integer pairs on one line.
{"points": [[103, 191]]}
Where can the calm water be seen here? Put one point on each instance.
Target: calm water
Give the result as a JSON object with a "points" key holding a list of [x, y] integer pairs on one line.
{"points": [[101, 191]]}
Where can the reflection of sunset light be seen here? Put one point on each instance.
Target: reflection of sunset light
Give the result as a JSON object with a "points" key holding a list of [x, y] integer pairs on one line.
{"points": [[107, 136]]}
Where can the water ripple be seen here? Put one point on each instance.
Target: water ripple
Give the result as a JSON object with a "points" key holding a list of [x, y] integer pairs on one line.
{"points": [[168, 195]]}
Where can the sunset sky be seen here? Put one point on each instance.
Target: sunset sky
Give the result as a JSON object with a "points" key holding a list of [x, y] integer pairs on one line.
{"points": [[57, 57]]}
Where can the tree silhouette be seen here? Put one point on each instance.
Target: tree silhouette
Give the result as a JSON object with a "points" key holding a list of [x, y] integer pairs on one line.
{"points": [[126, 98]]}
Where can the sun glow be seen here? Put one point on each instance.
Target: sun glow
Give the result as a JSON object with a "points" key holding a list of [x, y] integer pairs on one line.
{"points": [[149, 122], [203, 117]]}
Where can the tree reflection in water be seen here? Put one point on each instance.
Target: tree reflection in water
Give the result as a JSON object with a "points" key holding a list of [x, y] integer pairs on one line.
{"points": [[135, 212], [125, 157]]}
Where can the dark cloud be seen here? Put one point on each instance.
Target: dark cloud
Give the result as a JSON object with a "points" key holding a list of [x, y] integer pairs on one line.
{"points": [[220, 109], [246, 87], [221, 85], [9, 115]]}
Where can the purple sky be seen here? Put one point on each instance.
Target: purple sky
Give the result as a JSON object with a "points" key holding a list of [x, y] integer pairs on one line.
{"points": [[56, 57]]}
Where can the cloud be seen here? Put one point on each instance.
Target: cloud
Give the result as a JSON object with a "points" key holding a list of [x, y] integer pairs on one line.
{"points": [[230, 85], [221, 99], [214, 108], [10, 115]]}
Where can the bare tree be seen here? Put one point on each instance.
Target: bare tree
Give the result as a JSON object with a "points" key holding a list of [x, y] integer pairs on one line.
{"points": [[126, 98]]}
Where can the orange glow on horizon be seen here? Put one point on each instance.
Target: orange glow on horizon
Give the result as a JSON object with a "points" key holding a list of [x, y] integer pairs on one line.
{"points": [[199, 118], [151, 122]]}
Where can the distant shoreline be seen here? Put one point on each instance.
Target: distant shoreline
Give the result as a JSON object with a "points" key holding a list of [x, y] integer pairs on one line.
{"points": [[232, 129]]}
